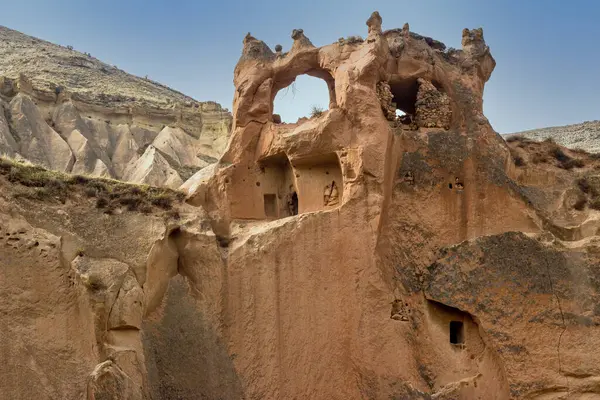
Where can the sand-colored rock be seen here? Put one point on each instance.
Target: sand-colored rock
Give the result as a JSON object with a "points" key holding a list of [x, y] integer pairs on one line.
{"points": [[352, 255], [37, 141], [153, 169], [178, 147], [330, 279], [8, 145]]}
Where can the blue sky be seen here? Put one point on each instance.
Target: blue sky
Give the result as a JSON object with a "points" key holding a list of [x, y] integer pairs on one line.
{"points": [[547, 51]]}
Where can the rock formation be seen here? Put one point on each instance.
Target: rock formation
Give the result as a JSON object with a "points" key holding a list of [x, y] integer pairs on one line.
{"points": [[70, 112], [351, 255]]}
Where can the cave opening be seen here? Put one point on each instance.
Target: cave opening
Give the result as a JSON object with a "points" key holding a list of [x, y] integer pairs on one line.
{"points": [[277, 186], [294, 204], [405, 96], [457, 335]]}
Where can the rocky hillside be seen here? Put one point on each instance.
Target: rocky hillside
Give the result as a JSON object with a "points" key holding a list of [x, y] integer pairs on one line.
{"points": [[351, 255], [68, 111], [585, 136]]}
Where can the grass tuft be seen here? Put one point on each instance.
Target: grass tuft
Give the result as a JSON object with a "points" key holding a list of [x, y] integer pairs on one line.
{"points": [[45, 185]]}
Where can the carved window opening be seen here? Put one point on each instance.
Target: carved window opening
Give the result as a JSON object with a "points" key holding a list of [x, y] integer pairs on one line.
{"points": [[278, 187], [306, 96], [420, 103], [457, 334], [405, 96]]}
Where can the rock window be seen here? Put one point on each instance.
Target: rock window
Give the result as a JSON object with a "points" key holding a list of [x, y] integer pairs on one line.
{"points": [[302, 97], [404, 92]]}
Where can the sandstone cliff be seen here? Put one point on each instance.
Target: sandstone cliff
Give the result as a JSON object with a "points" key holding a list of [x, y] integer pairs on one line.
{"points": [[352, 255], [70, 112]]}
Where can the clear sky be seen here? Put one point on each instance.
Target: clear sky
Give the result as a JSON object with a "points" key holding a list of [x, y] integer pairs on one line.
{"points": [[547, 51]]}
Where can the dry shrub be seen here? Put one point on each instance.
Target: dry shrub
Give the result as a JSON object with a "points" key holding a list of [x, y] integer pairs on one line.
{"points": [[101, 202], [44, 185], [316, 111], [565, 161], [514, 138], [539, 158], [580, 203], [595, 204], [519, 161], [586, 187]]}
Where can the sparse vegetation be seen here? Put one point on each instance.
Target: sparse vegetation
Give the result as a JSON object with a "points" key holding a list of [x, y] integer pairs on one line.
{"points": [[589, 194], [316, 111], [514, 138], [549, 140], [539, 158], [566, 161], [93, 282], [580, 203], [353, 40], [519, 161], [595, 204], [586, 187], [44, 185]]}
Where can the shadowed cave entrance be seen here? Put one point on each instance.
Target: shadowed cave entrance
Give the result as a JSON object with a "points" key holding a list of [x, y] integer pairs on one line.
{"points": [[279, 194], [405, 95], [457, 335], [310, 184]]}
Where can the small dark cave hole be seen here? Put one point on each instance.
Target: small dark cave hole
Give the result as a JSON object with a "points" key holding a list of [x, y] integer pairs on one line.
{"points": [[457, 332], [294, 204]]}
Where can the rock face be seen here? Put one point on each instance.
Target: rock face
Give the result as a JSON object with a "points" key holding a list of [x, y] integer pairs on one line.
{"points": [[352, 255], [70, 112], [585, 136]]}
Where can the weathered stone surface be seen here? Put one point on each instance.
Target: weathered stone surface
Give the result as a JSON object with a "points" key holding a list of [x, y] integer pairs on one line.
{"points": [[108, 381], [47, 333], [179, 148], [38, 142], [8, 145], [351, 255], [432, 107], [153, 169]]}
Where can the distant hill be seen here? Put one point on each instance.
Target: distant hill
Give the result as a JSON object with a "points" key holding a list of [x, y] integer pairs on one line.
{"points": [[69, 111], [585, 135]]}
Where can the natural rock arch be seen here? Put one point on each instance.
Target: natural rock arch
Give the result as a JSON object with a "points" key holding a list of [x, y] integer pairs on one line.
{"points": [[306, 97]]}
